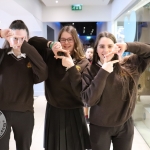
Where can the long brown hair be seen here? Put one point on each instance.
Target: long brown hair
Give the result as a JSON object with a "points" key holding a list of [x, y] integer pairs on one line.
{"points": [[125, 71], [78, 52], [16, 25]]}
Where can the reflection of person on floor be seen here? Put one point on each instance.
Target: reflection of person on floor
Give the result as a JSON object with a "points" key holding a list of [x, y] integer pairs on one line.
{"points": [[19, 71], [65, 126], [89, 55], [110, 88]]}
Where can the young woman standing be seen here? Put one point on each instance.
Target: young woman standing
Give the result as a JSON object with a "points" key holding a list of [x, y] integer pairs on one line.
{"points": [[65, 127], [20, 69], [110, 88]]}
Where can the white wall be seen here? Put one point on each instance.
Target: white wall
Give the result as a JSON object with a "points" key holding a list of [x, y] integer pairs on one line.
{"points": [[1, 42], [120, 6], [32, 6], [65, 14]]}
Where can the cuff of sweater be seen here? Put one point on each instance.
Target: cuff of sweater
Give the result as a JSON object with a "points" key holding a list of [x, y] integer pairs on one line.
{"points": [[73, 72], [103, 73]]}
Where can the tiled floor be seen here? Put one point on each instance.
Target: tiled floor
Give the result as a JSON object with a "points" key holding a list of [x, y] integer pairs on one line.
{"points": [[37, 140]]}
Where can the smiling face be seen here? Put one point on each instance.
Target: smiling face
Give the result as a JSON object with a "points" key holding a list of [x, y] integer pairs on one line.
{"points": [[67, 41], [104, 47]]}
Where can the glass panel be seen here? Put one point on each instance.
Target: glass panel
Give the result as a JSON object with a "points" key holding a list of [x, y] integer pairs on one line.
{"points": [[134, 25]]}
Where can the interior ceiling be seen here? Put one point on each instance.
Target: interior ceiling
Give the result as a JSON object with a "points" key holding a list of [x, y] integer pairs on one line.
{"points": [[90, 27], [49, 3], [83, 28], [14, 11]]}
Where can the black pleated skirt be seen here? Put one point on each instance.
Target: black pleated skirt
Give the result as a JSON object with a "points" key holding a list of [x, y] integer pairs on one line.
{"points": [[65, 129]]}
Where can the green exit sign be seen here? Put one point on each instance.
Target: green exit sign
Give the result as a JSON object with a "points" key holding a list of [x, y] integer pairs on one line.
{"points": [[76, 7]]}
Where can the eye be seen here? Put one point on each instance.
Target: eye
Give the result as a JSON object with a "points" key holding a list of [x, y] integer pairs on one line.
{"points": [[101, 46], [70, 40], [62, 40], [15, 38], [110, 46]]}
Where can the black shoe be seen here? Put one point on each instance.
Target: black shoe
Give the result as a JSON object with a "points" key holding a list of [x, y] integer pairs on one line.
{"points": [[87, 120]]}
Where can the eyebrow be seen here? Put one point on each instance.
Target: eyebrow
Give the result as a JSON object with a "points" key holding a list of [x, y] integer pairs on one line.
{"points": [[65, 38], [108, 44]]}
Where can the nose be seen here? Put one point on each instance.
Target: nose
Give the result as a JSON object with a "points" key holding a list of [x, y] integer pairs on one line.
{"points": [[105, 50], [66, 41]]}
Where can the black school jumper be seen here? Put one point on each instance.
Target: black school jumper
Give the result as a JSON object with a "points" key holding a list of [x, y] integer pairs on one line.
{"points": [[17, 77], [110, 114], [65, 127]]}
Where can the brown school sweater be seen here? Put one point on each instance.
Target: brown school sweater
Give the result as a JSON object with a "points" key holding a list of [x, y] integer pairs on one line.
{"points": [[103, 91], [62, 88], [17, 77]]}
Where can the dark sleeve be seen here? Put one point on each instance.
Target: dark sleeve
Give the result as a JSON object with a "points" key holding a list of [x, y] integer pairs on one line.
{"points": [[92, 87], [75, 76], [40, 44], [2, 53], [39, 67], [142, 54]]}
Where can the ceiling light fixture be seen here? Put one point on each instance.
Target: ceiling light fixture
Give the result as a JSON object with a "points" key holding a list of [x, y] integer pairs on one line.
{"points": [[56, 1]]}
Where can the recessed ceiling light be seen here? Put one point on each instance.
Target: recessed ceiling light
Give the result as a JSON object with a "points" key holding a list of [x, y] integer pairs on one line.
{"points": [[56, 1]]}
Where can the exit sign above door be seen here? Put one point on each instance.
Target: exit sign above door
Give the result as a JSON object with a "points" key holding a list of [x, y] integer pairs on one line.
{"points": [[76, 7]]}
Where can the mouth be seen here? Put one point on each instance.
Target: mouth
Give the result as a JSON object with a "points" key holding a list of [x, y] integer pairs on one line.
{"points": [[103, 55], [66, 47]]}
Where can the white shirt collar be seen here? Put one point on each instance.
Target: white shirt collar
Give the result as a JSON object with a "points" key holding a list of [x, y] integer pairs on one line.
{"points": [[19, 56], [99, 63]]}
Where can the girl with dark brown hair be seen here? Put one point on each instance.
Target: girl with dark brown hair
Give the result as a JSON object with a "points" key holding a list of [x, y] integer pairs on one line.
{"points": [[20, 68], [110, 88]]}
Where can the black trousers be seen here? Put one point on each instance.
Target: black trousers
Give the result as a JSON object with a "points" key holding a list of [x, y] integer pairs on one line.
{"points": [[121, 136], [22, 124]]}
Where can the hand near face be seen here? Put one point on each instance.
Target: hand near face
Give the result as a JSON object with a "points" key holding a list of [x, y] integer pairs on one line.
{"points": [[57, 48], [119, 49], [16, 42], [66, 60], [6, 33], [122, 47], [108, 65], [17, 39]]}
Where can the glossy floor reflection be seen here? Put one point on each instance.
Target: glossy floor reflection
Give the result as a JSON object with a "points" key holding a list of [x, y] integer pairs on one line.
{"points": [[37, 139]]}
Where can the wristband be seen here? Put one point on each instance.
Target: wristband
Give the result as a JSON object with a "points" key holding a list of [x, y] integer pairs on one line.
{"points": [[51, 44]]}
